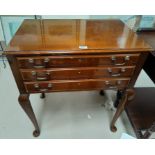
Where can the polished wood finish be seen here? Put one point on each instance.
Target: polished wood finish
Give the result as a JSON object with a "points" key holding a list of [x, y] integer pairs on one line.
{"points": [[25, 104], [64, 85], [128, 96], [78, 61], [138, 68], [76, 73], [76, 55], [148, 36], [141, 112], [67, 36], [14, 67]]}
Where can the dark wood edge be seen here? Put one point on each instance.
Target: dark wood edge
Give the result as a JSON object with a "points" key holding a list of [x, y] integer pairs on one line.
{"points": [[76, 69], [81, 80], [75, 52], [73, 90], [85, 55], [145, 30], [17, 75], [138, 68], [133, 125]]}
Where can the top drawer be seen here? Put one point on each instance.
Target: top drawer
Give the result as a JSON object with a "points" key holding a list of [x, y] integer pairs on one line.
{"points": [[78, 61]]}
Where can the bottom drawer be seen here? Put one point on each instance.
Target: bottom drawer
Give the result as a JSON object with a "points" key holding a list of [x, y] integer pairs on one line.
{"points": [[76, 85]]}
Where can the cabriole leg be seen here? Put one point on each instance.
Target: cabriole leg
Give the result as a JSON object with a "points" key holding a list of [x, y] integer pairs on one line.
{"points": [[26, 105], [126, 96]]}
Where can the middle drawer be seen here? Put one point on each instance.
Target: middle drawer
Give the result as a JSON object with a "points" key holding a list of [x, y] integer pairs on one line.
{"points": [[76, 73]]}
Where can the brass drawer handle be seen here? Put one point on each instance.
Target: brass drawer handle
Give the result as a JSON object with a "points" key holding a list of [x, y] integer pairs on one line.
{"points": [[39, 78], [122, 70], [37, 87], [113, 58], [80, 59], [112, 86], [43, 90], [116, 75], [31, 61], [39, 66]]}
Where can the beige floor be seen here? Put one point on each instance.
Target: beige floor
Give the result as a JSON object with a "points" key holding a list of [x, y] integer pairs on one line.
{"points": [[60, 115]]}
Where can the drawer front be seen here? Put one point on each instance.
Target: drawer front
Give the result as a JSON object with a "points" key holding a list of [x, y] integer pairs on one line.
{"points": [[53, 86], [71, 74], [77, 61]]}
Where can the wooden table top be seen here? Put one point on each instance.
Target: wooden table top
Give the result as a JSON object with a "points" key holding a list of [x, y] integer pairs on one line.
{"points": [[149, 37], [75, 36]]}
